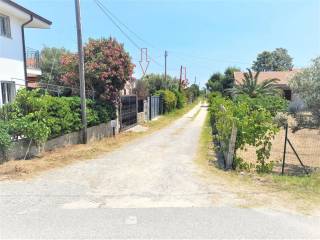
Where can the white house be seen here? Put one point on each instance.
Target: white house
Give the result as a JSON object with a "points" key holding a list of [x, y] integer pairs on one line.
{"points": [[13, 57]]}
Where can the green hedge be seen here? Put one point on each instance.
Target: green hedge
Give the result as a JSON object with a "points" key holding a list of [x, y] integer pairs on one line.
{"points": [[169, 100], [181, 98], [254, 119], [37, 116]]}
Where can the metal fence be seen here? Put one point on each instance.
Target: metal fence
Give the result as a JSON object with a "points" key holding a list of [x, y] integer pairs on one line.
{"points": [[154, 107], [300, 151], [128, 111]]}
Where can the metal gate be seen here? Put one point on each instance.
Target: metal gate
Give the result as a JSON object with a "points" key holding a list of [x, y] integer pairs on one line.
{"points": [[128, 111], [154, 106]]}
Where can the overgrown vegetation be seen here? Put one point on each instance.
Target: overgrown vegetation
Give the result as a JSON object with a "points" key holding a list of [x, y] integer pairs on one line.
{"points": [[299, 193], [37, 116], [254, 120], [169, 100], [307, 85]]}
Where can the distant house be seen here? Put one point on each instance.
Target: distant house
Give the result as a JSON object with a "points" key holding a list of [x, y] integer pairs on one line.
{"points": [[284, 77], [17, 62], [129, 87]]}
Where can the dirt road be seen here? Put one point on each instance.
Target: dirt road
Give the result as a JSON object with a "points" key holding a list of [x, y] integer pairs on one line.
{"points": [[156, 171]]}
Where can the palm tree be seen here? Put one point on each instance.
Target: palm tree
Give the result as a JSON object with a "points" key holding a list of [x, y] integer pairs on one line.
{"points": [[251, 87]]}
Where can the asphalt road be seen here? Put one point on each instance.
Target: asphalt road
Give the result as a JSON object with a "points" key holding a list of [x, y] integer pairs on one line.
{"points": [[149, 188]]}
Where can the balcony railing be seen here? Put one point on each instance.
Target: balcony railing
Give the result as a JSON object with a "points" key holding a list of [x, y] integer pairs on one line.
{"points": [[33, 58]]}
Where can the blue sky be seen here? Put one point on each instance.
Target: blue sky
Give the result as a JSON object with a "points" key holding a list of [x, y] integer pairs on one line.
{"points": [[205, 35]]}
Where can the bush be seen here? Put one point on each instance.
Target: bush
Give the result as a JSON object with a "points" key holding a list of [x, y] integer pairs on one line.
{"points": [[181, 98], [254, 122], [5, 139], [169, 100], [36, 116]]}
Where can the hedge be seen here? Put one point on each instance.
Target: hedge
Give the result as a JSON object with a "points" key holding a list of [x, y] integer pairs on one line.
{"points": [[181, 98], [169, 100], [38, 117], [254, 119]]}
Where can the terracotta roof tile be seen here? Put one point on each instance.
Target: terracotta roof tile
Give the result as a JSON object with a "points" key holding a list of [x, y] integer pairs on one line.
{"points": [[284, 76]]}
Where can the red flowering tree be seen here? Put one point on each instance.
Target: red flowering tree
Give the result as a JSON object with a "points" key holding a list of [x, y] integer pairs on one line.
{"points": [[108, 68]]}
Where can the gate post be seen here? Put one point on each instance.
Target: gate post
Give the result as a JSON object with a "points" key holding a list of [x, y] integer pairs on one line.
{"points": [[150, 101], [231, 147], [284, 149]]}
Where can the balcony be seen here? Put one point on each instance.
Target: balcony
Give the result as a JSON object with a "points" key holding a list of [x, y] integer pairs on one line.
{"points": [[33, 58], [33, 66]]}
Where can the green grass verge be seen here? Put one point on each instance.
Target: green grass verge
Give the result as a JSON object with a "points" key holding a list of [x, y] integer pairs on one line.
{"points": [[306, 187], [303, 191]]}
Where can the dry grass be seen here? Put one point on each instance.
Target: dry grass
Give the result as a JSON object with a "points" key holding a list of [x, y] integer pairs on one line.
{"points": [[22, 169], [287, 193], [305, 141], [60, 157]]}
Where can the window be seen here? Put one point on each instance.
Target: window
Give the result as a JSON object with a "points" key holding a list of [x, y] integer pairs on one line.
{"points": [[5, 26], [8, 92]]}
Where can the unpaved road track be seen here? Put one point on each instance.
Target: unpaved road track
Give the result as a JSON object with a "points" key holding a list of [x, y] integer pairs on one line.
{"points": [[149, 188]]}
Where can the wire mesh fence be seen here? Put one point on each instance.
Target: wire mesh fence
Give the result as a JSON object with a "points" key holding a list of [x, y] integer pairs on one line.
{"points": [[306, 143]]}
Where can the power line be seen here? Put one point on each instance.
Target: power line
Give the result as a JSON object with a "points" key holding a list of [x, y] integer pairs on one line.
{"points": [[117, 22], [101, 6], [111, 17], [124, 25]]}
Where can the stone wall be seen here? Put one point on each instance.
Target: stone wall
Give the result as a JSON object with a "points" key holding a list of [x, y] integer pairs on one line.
{"points": [[141, 117], [18, 149]]}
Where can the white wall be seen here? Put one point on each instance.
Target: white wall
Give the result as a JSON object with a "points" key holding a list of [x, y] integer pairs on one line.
{"points": [[11, 55]]}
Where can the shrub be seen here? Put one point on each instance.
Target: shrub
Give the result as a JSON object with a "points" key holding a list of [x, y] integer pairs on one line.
{"points": [[169, 100], [108, 68], [36, 116], [255, 124], [181, 98], [5, 138]]}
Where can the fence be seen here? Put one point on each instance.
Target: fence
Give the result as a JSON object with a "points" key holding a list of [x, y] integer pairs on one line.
{"points": [[154, 107], [306, 144], [128, 111]]}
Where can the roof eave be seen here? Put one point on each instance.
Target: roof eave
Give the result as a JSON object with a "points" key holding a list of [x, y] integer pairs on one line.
{"points": [[40, 22]]}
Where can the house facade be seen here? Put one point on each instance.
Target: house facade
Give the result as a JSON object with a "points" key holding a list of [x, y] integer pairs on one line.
{"points": [[13, 53], [283, 81]]}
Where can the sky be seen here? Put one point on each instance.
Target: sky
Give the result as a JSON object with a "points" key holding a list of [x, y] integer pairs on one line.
{"points": [[205, 36]]}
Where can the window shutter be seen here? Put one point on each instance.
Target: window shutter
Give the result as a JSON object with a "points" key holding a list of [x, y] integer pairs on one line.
{"points": [[2, 26], [8, 29]]}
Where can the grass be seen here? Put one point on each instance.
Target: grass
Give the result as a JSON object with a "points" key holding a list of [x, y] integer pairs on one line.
{"points": [[298, 193], [61, 157], [302, 187]]}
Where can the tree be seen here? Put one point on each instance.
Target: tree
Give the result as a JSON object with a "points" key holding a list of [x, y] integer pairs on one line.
{"points": [[253, 88], [156, 82], [214, 84], [194, 89], [307, 85], [229, 77], [141, 89], [221, 82], [277, 60], [108, 68], [51, 66]]}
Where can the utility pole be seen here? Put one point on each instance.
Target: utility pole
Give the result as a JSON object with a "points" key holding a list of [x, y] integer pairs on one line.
{"points": [[195, 80], [165, 65], [180, 81], [81, 74]]}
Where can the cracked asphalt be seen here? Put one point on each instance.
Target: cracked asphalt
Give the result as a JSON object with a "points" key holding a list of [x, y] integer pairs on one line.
{"points": [[148, 188]]}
